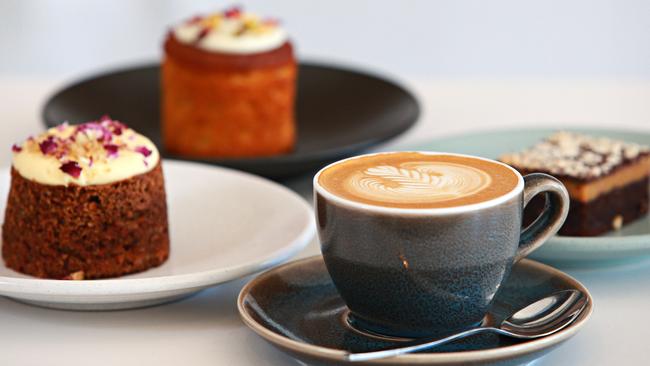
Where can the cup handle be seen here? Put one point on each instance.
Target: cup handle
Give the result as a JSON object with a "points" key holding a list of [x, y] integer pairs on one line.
{"points": [[552, 217]]}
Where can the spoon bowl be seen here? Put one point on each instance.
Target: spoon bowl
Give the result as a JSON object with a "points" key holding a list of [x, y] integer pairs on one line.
{"points": [[537, 319], [545, 316]]}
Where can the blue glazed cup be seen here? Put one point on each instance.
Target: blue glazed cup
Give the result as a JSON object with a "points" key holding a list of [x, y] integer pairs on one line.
{"points": [[422, 272]]}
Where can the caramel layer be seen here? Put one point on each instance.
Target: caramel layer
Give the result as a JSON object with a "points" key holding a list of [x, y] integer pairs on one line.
{"points": [[587, 191]]}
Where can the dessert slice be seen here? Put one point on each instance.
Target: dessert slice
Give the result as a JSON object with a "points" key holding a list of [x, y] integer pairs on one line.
{"points": [[85, 201], [607, 179]]}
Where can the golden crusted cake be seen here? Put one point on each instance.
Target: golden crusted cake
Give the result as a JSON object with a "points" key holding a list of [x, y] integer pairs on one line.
{"points": [[228, 87], [85, 201], [607, 179]]}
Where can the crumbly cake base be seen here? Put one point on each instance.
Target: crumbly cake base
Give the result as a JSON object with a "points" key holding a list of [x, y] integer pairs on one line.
{"points": [[216, 105], [607, 212], [86, 231]]}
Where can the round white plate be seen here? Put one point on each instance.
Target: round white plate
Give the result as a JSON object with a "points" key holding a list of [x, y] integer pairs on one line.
{"points": [[630, 243], [224, 224]]}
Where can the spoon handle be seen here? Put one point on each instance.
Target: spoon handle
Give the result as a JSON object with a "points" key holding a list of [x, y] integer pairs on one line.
{"points": [[417, 345]]}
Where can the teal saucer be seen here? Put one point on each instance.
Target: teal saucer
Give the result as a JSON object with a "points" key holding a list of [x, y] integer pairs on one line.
{"points": [[632, 242], [296, 308]]}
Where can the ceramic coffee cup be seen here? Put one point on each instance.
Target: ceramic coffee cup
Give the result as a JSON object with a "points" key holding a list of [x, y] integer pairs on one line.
{"points": [[414, 272]]}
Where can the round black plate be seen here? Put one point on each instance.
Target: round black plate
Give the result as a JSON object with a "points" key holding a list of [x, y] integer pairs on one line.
{"points": [[339, 113]]}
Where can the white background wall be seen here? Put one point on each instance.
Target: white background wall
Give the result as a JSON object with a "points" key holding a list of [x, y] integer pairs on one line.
{"points": [[474, 64], [412, 39]]}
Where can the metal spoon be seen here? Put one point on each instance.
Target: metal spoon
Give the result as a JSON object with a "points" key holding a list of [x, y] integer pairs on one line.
{"points": [[538, 319]]}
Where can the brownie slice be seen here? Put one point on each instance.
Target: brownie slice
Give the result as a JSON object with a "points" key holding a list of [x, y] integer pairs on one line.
{"points": [[607, 179]]}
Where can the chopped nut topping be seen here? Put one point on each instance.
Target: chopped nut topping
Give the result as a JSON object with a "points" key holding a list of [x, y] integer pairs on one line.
{"points": [[75, 276], [617, 223], [246, 23], [576, 155], [78, 147]]}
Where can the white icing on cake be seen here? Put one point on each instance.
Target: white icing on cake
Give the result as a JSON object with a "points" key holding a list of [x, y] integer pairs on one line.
{"points": [[231, 31], [417, 182], [89, 154]]}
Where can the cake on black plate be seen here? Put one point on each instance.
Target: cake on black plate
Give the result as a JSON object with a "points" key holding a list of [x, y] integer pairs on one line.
{"points": [[228, 83], [86, 201]]}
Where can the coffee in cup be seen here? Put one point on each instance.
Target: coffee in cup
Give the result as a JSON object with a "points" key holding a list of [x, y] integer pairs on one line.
{"points": [[415, 180]]}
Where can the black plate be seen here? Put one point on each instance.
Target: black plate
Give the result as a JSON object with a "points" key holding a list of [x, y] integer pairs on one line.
{"points": [[340, 112]]}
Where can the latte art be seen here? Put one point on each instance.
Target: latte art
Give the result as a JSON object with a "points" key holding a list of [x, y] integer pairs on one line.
{"points": [[417, 182]]}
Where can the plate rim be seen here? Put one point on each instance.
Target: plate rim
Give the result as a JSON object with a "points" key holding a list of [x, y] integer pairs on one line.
{"points": [[314, 156], [509, 352], [15, 286], [576, 244]]}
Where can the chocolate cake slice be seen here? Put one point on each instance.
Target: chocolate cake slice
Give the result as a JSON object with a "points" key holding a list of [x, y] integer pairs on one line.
{"points": [[607, 179], [85, 202]]}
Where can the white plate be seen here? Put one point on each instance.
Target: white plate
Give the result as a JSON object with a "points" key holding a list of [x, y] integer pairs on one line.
{"points": [[224, 224]]}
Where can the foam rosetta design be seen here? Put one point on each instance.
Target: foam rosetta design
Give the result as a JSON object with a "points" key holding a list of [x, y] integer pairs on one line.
{"points": [[417, 182]]}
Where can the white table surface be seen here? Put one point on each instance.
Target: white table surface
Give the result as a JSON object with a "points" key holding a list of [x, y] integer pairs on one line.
{"points": [[206, 330]]}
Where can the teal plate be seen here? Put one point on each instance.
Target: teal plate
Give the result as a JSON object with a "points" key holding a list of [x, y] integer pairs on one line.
{"points": [[630, 243]]}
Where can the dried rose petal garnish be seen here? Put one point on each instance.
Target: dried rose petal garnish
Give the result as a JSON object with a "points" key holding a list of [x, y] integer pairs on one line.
{"points": [[86, 144], [62, 126], [117, 129], [48, 146], [195, 19], [115, 126], [143, 150], [233, 12], [204, 32], [71, 168], [111, 150], [105, 135]]}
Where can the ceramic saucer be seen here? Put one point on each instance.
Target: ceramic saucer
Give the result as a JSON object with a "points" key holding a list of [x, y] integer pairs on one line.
{"points": [[629, 243], [224, 224], [297, 309]]}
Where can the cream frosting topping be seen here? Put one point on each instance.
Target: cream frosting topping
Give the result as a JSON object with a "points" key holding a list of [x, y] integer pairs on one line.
{"points": [[232, 31], [91, 153]]}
